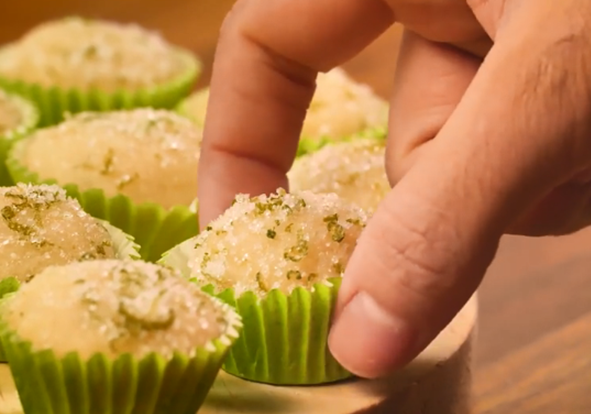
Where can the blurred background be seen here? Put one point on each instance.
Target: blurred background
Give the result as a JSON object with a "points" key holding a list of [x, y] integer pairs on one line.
{"points": [[190, 23], [533, 354]]}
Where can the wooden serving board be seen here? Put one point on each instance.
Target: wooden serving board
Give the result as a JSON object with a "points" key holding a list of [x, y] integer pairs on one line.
{"points": [[436, 382]]}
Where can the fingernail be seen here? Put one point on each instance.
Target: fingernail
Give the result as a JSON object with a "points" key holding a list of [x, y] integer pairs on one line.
{"points": [[368, 341]]}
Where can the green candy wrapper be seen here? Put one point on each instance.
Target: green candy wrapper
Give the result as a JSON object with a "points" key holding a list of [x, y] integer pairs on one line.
{"points": [[124, 248], [308, 145], [30, 120], [150, 385], [54, 102], [153, 227], [284, 337]]}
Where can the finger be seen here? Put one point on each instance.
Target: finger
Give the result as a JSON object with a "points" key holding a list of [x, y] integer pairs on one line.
{"points": [[430, 81], [267, 59], [566, 209], [429, 243]]}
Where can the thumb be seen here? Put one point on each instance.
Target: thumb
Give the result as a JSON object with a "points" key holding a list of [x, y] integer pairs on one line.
{"points": [[429, 244]]}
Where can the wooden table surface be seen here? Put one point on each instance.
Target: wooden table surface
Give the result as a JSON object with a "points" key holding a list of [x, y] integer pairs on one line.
{"points": [[533, 351]]}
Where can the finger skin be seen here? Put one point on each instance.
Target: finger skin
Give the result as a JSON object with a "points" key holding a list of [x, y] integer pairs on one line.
{"points": [[430, 80], [565, 210], [262, 84], [428, 245]]}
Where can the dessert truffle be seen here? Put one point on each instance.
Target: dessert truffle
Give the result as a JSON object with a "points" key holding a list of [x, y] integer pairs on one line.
{"points": [[85, 54], [40, 226], [75, 65], [136, 169], [148, 155], [340, 107], [116, 307], [18, 117], [279, 260], [11, 113], [134, 331], [353, 170], [280, 241]]}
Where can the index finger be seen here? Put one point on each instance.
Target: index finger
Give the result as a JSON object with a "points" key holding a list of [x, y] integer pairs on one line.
{"points": [[267, 59]]}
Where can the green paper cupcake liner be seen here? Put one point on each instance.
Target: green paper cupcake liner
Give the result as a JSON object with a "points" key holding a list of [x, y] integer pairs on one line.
{"points": [[284, 336], [284, 341], [8, 285], [54, 102], [125, 245], [152, 384], [183, 108], [30, 116], [307, 145], [153, 227], [125, 248]]}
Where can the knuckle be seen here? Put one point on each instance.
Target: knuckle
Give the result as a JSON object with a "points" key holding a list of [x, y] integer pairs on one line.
{"points": [[236, 21], [229, 24]]}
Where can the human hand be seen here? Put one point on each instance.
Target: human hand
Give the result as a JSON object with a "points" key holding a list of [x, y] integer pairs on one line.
{"points": [[485, 137]]}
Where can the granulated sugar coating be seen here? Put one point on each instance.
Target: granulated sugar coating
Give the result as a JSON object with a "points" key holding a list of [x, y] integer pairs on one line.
{"points": [[340, 107], [145, 154], [115, 307], [40, 226], [92, 54], [280, 241], [353, 170], [11, 114]]}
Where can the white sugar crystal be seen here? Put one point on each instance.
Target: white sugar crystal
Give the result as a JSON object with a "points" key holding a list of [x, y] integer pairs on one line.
{"points": [[115, 307], [279, 241], [353, 170], [40, 226], [92, 54], [146, 154], [340, 107]]}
